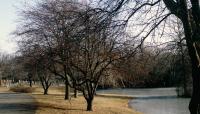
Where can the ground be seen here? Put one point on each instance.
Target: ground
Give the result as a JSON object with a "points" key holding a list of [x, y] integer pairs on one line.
{"points": [[16, 103], [54, 103]]}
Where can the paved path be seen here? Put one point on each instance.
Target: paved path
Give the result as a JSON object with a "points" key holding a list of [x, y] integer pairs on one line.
{"points": [[16, 103]]}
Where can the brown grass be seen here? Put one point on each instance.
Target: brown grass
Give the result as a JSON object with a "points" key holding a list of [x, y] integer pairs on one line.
{"points": [[52, 90], [54, 104], [4, 89]]}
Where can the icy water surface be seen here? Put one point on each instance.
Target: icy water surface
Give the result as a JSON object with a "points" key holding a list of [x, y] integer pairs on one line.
{"points": [[153, 101]]}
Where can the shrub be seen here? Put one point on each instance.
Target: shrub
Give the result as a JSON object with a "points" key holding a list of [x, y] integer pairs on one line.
{"points": [[22, 89]]}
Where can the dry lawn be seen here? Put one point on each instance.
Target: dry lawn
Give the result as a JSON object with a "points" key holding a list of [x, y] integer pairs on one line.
{"points": [[52, 90], [4, 89], [54, 104]]}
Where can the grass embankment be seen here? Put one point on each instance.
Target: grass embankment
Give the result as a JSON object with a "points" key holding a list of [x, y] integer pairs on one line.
{"points": [[54, 103]]}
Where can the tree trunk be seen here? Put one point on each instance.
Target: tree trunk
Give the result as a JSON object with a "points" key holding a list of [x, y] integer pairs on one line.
{"points": [[194, 103], [75, 93], [45, 91], [30, 83], [194, 56], [67, 91], [186, 93], [45, 85], [89, 104], [192, 50]]}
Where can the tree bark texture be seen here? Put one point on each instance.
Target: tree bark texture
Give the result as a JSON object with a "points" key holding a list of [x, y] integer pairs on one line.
{"points": [[67, 91]]}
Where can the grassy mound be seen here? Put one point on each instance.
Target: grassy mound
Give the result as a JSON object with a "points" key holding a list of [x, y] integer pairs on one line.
{"points": [[22, 89]]}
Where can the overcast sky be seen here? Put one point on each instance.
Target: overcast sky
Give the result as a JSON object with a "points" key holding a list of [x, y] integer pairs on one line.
{"points": [[8, 18]]}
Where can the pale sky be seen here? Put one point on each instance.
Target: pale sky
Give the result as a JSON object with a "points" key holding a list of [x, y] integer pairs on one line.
{"points": [[8, 18]]}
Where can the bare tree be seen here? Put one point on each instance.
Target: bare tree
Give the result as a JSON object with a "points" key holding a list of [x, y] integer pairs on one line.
{"points": [[188, 11], [9, 70], [47, 25], [44, 75], [35, 64], [93, 57], [78, 42]]}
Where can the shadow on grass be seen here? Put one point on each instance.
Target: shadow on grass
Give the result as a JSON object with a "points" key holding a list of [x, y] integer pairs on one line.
{"points": [[53, 106], [17, 103], [59, 97]]}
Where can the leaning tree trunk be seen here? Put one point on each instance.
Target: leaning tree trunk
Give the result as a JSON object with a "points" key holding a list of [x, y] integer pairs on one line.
{"points": [[194, 103], [67, 91], [194, 56], [195, 61]]}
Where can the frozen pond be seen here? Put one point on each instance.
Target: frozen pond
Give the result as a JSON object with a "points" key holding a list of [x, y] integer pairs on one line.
{"points": [[154, 101]]}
